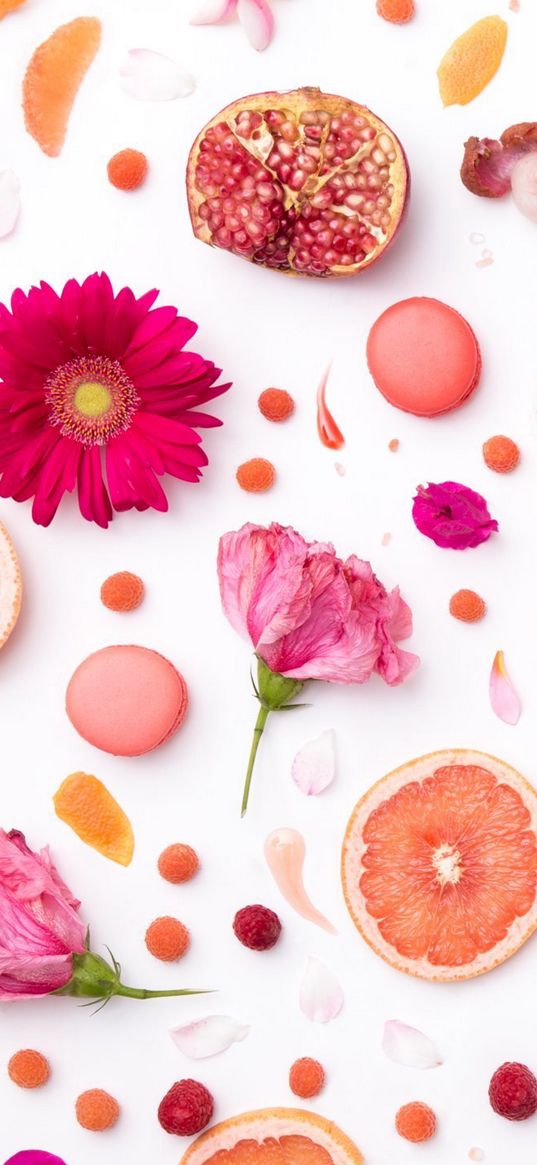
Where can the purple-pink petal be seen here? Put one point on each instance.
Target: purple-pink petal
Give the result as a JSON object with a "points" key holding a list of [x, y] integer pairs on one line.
{"points": [[452, 515]]}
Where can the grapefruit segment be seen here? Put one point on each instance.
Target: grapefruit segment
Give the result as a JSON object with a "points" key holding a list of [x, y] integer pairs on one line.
{"points": [[439, 865], [274, 1136], [53, 78], [10, 586]]}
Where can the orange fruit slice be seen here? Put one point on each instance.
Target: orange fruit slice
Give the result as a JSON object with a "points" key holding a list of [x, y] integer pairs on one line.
{"points": [[9, 6], [53, 78], [85, 804], [10, 586], [439, 865], [273, 1136], [472, 61]]}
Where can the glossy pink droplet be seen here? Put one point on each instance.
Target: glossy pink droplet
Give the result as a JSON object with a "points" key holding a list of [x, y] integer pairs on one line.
{"points": [[327, 427], [285, 851]]}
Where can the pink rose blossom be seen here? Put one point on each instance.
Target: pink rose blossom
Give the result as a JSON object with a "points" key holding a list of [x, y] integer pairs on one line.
{"points": [[309, 615], [452, 515], [43, 942], [39, 924]]}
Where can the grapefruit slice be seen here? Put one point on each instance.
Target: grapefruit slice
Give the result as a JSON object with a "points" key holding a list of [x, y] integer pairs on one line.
{"points": [[85, 804], [10, 586], [439, 865], [53, 78], [273, 1136]]}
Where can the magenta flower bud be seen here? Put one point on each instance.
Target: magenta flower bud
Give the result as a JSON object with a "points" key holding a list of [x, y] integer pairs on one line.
{"points": [[452, 515]]}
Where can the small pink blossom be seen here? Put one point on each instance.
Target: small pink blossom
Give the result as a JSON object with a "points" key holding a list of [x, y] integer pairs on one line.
{"points": [[452, 515]]}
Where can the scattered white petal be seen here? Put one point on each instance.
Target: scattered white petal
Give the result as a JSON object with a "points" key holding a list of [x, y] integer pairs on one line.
{"points": [[321, 997], [214, 11], [406, 1045], [258, 22], [10, 202], [209, 1036], [150, 76], [504, 699], [314, 767]]}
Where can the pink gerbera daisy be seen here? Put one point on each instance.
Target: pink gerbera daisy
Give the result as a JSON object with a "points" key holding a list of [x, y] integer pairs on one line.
{"points": [[96, 393]]}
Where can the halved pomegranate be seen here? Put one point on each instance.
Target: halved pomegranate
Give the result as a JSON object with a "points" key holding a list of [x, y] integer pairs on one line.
{"points": [[304, 182]]}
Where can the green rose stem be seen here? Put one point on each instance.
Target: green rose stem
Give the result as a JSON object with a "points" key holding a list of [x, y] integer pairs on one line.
{"points": [[94, 978], [274, 693]]}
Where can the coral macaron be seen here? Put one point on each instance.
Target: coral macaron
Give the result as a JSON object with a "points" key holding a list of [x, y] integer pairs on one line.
{"points": [[10, 586], [126, 700], [423, 357]]}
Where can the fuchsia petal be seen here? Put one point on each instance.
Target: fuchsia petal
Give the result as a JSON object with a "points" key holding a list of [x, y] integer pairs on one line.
{"points": [[504, 699], [150, 76], [314, 767], [321, 996], [258, 22], [214, 11], [9, 201], [407, 1045], [209, 1036], [35, 1157]]}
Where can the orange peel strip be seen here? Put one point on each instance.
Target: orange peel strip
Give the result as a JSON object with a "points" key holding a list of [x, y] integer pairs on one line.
{"points": [[85, 804]]}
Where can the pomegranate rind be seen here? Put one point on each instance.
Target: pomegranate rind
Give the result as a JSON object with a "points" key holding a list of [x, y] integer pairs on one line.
{"points": [[354, 848], [10, 586], [299, 101], [488, 164], [265, 1123], [53, 78]]}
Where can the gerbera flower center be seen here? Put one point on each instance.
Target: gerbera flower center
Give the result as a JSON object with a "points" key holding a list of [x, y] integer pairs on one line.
{"points": [[91, 399]]}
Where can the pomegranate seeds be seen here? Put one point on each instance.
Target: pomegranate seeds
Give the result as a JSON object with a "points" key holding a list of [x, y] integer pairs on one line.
{"points": [[257, 927], [186, 1109], [303, 182], [513, 1092]]}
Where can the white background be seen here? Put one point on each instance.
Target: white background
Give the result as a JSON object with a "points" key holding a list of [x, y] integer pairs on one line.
{"points": [[266, 330]]}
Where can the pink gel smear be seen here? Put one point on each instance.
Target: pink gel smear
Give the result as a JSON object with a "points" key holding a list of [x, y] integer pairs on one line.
{"points": [[285, 851], [327, 428], [476, 1155]]}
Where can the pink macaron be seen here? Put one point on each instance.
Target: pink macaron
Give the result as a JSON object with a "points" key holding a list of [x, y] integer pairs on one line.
{"points": [[424, 357], [126, 700]]}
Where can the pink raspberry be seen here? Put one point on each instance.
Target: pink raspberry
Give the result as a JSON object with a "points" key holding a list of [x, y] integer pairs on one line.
{"points": [[186, 1108], [513, 1092], [257, 927]]}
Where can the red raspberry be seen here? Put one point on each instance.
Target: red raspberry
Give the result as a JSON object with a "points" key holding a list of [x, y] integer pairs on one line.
{"points": [[186, 1108], [257, 927], [513, 1092]]}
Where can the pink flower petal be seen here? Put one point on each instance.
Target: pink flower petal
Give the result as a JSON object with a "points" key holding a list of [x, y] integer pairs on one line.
{"points": [[503, 697], [314, 767], [321, 997], [150, 76], [258, 22], [9, 201], [407, 1045], [209, 1036], [214, 12]]}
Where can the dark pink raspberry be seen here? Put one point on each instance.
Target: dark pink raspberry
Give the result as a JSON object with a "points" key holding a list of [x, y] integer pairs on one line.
{"points": [[513, 1092], [186, 1108], [257, 927]]}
